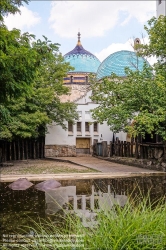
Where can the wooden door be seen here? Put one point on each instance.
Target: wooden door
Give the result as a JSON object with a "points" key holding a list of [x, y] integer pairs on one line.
{"points": [[83, 145]]}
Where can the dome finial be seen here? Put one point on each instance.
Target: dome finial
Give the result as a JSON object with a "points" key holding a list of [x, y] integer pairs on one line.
{"points": [[79, 36]]}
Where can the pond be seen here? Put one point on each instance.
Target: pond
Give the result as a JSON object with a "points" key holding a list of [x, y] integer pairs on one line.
{"points": [[20, 209]]}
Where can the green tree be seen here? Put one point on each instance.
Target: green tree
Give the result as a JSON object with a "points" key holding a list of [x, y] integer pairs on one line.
{"points": [[24, 115], [31, 81], [157, 42], [18, 62], [137, 103], [10, 7]]}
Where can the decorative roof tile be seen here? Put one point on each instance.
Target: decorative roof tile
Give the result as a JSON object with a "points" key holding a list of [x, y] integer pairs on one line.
{"points": [[81, 59], [118, 61]]}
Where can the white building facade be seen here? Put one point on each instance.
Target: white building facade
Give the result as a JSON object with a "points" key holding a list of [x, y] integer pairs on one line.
{"points": [[79, 137], [160, 8]]}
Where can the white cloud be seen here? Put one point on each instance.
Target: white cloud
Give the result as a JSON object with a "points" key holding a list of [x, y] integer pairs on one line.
{"points": [[94, 18], [23, 21], [114, 47], [126, 20]]}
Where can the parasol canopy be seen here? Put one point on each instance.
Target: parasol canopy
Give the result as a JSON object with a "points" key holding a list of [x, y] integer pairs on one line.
{"points": [[48, 185], [21, 184]]}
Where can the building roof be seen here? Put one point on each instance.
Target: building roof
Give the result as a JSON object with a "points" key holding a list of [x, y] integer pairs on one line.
{"points": [[81, 59], [118, 61]]}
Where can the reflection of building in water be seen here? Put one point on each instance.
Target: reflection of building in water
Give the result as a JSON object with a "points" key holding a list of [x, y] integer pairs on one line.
{"points": [[85, 206], [55, 199]]}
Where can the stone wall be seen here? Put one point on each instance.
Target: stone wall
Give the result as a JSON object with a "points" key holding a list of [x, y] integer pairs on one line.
{"points": [[76, 91], [59, 150], [142, 163], [156, 157], [152, 164]]}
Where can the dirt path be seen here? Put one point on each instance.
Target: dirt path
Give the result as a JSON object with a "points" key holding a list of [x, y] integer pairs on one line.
{"points": [[43, 167]]}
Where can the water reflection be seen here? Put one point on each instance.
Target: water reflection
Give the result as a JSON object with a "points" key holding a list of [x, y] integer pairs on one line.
{"points": [[83, 197], [84, 206], [56, 199]]}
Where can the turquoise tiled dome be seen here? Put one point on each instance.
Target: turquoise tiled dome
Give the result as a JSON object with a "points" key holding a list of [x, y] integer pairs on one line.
{"points": [[118, 61], [81, 59]]}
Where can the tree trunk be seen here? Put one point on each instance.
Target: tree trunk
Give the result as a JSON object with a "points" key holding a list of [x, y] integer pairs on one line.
{"points": [[26, 145], [14, 151], [38, 155], [5, 151], [23, 152], [34, 150], [18, 143], [10, 151], [43, 149]]}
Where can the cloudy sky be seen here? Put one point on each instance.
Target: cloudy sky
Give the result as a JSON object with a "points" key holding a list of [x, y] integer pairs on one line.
{"points": [[105, 26]]}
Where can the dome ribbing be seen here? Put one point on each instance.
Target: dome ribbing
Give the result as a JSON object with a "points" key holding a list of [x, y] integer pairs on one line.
{"points": [[118, 61], [81, 59]]}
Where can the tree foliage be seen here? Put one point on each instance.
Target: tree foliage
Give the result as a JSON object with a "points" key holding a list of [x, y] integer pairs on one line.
{"points": [[31, 83], [137, 103], [18, 62], [10, 7], [157, 42], [39, 104]]}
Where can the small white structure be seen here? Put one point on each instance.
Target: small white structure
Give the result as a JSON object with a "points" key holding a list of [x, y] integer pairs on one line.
{"points": [[160, 8]]}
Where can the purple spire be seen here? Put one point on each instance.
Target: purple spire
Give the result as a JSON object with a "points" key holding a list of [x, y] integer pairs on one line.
{"points": [[79, 50]]}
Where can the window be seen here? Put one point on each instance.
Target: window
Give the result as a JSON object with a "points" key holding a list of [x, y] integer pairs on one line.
{"points": [[80, 115], [95, 127], [86, 126], [87, 115], [78, 126], [86, 79], [70, 127]]}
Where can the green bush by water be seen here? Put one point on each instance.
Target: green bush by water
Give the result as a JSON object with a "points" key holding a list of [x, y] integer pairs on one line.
{"points": [[130, 228]]}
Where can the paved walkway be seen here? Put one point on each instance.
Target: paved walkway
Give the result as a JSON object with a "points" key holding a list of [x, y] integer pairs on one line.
{"points": [[108, 170], [104, 166]]}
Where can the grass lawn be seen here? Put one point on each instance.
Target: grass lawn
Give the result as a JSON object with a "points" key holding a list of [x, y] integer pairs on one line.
{"points": [[43, 167]]}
